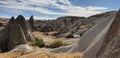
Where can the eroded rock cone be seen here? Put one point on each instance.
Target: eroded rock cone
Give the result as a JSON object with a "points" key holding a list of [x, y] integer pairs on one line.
{"points": [[31, 23], [15, 33], [18, 32], [21, 21], [16, 36]]}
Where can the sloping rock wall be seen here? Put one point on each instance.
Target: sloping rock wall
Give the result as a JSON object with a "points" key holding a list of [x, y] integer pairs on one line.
{"points": [[107, 46]]}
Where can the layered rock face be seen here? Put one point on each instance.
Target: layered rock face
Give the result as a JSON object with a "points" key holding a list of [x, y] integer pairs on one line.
{"points": [[108, 45], [16, 32], [111, 45]]}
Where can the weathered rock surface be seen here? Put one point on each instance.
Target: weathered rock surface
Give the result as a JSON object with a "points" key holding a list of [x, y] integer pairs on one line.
{"points": [[83, 25], [20, 20], [15, 33], [22, 47], [92, 35], [69, 25], [31, 23], [106, 46], [3, 39], [110, 47]]}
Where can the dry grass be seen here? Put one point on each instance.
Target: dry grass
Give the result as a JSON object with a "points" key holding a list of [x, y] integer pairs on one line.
{"points": [[39, 55], [50, 39], [17, 53], [10, 54], [52, 55]]}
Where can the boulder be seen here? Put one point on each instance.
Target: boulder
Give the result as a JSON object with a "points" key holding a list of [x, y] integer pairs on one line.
{"points": [[22, 47], [76, 36]]}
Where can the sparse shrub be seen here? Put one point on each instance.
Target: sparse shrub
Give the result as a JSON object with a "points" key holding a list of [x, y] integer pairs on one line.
{"points": [[57, 43], [45, 33], [38, 42]]}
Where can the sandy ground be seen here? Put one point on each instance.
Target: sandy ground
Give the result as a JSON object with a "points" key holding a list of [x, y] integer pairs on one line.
{"points": [[38, 53], [49, 39], [43, 52]]}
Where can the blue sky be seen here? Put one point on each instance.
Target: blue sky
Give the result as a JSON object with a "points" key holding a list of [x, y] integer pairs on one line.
{"points": [[50, 9]]}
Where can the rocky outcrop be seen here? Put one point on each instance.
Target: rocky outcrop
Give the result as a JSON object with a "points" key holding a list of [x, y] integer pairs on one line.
{"points": [[31, 23], [18, 32], [106, 46], [70, 27], [61, 24], [66, 23], [111, 44], [20, 20], [15, 33], [92, 37], [3, 39]]}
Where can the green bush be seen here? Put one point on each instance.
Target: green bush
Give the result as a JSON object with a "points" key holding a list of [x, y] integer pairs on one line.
{"points": [[57, 43], [38, 42]]}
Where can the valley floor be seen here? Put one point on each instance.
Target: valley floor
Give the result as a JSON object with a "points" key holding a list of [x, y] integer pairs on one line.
{"points": [[38, 54], [49, 38], [43, 52]]}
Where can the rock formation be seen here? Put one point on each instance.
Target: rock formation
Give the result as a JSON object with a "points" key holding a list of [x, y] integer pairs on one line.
{"points": [[110, 47], [3, 39], [31, 23], [64, 27], [22, 47], [91, 36], [106, 44], [15, 33]]}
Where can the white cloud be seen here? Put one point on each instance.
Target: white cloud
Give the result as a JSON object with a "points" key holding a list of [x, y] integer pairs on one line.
{"points": [[95, 8], [67, 6], [65, 2], [43, 18]]}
